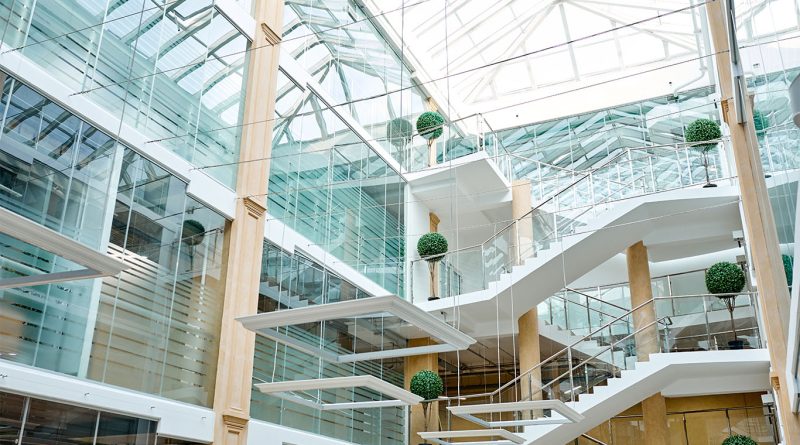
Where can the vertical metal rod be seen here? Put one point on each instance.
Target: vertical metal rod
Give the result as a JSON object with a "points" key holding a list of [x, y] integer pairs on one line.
{"points": [[571, 378]]}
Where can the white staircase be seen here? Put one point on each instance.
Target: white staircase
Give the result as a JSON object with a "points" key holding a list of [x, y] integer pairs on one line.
{"points": [[677, 374], [586, 348], [596, 239]]}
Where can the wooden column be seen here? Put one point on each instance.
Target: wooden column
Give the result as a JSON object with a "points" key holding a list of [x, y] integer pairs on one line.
{"points": [[530, 355], [414, 364], [762, 236], [434, 227], [522, 231], [246, 232], [654, 408]]}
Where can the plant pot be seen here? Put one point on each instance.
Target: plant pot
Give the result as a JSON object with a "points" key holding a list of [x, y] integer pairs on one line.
{"points": [[709, 185], [432, 299], [736, 344]]}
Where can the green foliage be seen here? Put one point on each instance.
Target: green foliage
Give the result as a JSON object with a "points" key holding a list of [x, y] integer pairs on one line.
{"points": [[760, 120], [429, 125], [193, 232], [432, 246], [427, 384], [399, 132], [725, 278], [739, 440], [703, 130], [788, 267]]}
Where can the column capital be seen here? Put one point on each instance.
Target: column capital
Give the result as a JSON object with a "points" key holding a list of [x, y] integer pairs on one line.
{"points": [[254, 208], [272, 37]]}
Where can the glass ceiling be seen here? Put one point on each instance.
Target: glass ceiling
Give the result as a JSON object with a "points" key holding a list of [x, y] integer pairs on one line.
{"points": [[511, 61]]}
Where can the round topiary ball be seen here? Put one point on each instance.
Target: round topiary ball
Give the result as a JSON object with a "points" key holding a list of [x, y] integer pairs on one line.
{"points": [[725, 278], [432, 246], [703, 130], [427, 384], [739, 440], [193, 232], [399, 132], [788, 267], [429, 125]]}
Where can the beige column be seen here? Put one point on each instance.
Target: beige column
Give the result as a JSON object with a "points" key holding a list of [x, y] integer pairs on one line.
{"points": [[654, 408], [762, 236], [434, 227], [530, 355], [414, 364], [246, 232], [522, 231]]}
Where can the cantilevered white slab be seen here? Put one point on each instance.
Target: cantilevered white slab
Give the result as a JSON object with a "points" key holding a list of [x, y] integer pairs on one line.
{"points": [[288, 390], [417, 324], [495, 437], [565, 414], [96, 264]]}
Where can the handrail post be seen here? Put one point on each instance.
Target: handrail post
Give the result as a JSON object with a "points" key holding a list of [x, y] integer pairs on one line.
{"points": [[571, 378], [705, 315]]}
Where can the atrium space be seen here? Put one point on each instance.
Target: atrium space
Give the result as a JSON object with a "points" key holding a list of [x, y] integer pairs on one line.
{"points": [[399, 222]]}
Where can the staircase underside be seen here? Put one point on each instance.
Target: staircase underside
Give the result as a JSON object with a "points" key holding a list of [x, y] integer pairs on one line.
{"points": [[695, 211], [680, 374]]}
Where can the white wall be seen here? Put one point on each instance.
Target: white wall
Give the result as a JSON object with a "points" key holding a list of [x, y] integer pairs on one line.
{"points": [[263, 433], [175, 419]]}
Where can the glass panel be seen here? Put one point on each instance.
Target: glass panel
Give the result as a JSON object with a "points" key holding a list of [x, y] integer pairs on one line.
{"points": [[56, 423], [114, 429], [12, 409]]}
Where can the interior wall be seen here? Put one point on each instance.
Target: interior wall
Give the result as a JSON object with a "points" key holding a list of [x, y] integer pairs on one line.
{"points": [[693, 421]]}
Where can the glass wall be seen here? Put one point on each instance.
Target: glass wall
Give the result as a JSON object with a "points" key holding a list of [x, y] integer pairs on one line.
{"points": [[342, 49], [153, 328], [171, 69], [330, 186], [158, 322], [26, 420], [291, 281]]}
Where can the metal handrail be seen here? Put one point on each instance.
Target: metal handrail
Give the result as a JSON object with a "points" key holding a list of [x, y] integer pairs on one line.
{"points": [[592, 334], [595, 298], [592, 439]]}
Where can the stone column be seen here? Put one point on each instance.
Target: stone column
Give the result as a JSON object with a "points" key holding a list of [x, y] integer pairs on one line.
{"points": [[762, 236], [654, 408], [414, 364], [246, 232]]}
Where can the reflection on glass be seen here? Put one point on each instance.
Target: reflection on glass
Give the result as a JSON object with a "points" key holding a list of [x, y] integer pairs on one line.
{"points": [[56, 423], [12, 407]]}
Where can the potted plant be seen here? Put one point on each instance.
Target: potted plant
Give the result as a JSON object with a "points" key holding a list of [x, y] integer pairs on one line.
{"points": [[399, 133], [725, 280], [431, 247], [428, 385], [739, 440], [703, 130], [430, 126], [193, 232]]}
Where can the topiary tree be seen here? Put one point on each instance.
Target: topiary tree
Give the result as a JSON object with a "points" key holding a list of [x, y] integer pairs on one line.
{"points": [[739, 440], [428, 385], [788, 268], [399, 133], [726, 280], [193, 232], [703, 130], [430, 125], [431, 247]]}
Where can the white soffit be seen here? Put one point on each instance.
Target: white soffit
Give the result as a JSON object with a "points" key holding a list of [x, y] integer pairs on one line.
{"points": [[498, 437], [96, 264], [565, 414], [423, 323], [288, 390]]}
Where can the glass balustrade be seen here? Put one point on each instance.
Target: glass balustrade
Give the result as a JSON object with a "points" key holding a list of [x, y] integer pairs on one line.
{"points": [[567, 211], [605, 351]]}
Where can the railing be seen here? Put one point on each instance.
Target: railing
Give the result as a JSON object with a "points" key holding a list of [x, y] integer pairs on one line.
{"points": [[413, 153], [576, 369], [628, 174]]}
